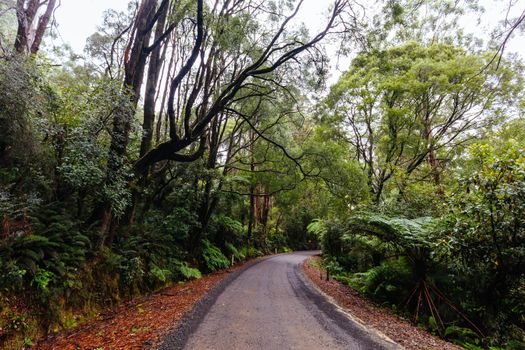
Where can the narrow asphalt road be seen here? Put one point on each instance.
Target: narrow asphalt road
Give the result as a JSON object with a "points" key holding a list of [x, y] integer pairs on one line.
{"points": [[271, 305]]}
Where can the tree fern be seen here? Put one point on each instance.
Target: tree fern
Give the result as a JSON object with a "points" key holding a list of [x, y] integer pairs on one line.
{"points": [[317, 227]]}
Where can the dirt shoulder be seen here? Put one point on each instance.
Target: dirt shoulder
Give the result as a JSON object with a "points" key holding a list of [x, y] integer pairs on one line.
{"points": [[382, 319], [140, 323]]}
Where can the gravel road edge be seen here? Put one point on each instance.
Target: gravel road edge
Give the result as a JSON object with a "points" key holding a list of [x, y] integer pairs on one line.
{"points": [[372, 332]]}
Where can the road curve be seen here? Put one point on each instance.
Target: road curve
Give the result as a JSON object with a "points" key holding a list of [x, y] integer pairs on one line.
{"points": [[271, 305]]}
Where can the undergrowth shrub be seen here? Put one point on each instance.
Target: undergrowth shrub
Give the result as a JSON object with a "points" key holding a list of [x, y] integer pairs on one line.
{"points": [[464, 337], [230, 229], [277, 241]]}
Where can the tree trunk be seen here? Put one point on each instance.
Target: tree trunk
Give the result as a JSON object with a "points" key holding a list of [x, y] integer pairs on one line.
{"points": [[251, 218], [134, 73], [28, 38], [41, 27], [155, 64]]}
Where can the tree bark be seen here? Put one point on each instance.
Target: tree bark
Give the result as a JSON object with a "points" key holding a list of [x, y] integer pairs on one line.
{"points": [[251, 218], [41, 27], [155, 64], [29, 37], [133, 78], [192, 130]]}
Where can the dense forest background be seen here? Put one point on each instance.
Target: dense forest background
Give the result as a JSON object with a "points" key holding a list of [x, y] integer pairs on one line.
{"points": [[193, 134]]}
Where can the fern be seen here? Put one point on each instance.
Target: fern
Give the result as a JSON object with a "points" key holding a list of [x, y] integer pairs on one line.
{"points": [[213, 257], [317, 227], [188, 272], [235, 252], [413, 232], [415, 238], [163, 275], [230, 225], [250, 252], [463, 336]]}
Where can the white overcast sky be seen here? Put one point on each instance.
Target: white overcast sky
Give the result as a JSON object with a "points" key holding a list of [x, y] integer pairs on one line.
{"points": [[78, 19]]}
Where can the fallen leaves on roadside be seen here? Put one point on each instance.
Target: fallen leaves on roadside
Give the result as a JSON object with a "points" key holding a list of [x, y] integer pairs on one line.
{"points": [[382, 319], [139, 323]]}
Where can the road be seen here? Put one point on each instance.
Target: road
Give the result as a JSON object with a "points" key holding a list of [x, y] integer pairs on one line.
{"points": [[271, 305]]}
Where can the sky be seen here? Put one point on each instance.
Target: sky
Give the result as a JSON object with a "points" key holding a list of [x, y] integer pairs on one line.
{"points": [[78, 19]]}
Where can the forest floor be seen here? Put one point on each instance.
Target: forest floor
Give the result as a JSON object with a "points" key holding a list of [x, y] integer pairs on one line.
{"points": [[140, 323], [382, 319]]}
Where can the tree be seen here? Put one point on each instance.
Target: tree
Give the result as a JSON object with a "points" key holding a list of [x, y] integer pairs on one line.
{"points": [[7, 25], [106, 48], [410, 106], [425, 21], [193, 126], [136, 55], [488, 237], [30, 29], [213, 77]]}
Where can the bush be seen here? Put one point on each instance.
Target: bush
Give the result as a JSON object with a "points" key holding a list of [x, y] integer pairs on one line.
{"points": [[487, 240], [163, 275], [389, 281]]}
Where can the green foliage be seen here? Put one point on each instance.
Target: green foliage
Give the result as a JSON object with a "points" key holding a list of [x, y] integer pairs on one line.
{"points": [[412, 235], [178, 223], [188, 272], [387, 282], [318, 228], [475, 253], [228, 233], [399, 109], [230, 226], [463, 336], [162, 275], [23, 98], [7, 23], [332, 266], [50, 258], [18, 323], [213, 257], [424, 21], [235, 252], [403, 174], [250, 252], [41, 279], [488, 237], [332, 238]]}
